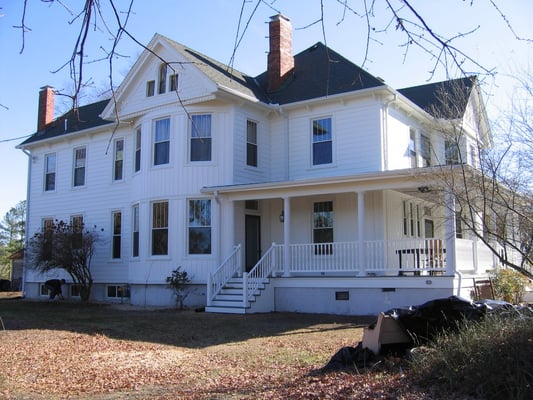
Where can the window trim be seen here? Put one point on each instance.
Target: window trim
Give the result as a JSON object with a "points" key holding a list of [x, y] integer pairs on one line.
{"points": [[159, 228], [150, 88], [173, 82], [316, 164], [135, 233], [47, 173], [191, 138], [137, 151], [208, 227], [252, 161], [117, 160], [162, 78], [116, 252], [76, 168], [155, 143]]}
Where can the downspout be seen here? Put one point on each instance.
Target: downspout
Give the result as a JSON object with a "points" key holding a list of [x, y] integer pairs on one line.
{"points": [[26, 224], [384, 130]]}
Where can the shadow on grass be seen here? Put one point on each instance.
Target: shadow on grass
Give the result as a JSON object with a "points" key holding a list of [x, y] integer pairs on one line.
{"points": [[165, 326]]}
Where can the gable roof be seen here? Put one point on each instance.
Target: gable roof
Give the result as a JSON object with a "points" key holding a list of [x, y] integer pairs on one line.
{"points": [[222, 74], [319, 72], [446, 99], [84, 117]]}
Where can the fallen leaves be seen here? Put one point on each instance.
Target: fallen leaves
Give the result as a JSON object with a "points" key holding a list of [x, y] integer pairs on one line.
{"points": [[60, 364]]}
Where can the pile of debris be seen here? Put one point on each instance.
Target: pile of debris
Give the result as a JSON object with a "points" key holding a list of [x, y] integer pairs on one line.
{"points": [[400, 329]]}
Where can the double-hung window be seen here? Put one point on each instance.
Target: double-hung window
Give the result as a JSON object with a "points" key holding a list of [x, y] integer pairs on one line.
{"points": [[80, 160], [451, 152], [201, 137], [117, 234], [162, 141], [135, 229], [251, 143], [412, 147], [323, 227], [50, 172], [160, 228], [137, 161], [322, 141], [425, 150], [48, 233], [76, 222], [199, 226], [118, 162]]}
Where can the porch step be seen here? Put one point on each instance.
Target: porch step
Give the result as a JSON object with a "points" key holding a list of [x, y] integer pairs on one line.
{"points": [[226, 310], [230, 298]]}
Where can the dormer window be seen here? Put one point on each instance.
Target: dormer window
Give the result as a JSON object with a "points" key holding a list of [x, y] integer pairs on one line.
{"points": [[162, 78]]}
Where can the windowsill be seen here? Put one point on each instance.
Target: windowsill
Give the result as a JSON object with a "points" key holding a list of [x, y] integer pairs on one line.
{"points": [[322, 166]]}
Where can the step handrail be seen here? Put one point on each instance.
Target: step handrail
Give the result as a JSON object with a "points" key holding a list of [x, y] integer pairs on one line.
{"points": [[263, 270], [229, 268]]}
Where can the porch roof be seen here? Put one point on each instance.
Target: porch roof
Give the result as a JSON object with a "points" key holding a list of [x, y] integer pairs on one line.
{"points": [[382, 180]]}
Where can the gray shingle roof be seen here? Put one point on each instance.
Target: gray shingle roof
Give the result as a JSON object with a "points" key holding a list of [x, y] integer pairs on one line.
{"points": [[446, 99], [86, 117], [320, 72]]}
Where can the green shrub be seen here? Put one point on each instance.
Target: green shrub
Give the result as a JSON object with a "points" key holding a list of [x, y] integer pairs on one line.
{"points": [[489, 359], [179, 282], [509, 285]]}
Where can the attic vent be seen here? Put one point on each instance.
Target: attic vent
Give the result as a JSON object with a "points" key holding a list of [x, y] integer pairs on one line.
{"points": [[314, 47]]}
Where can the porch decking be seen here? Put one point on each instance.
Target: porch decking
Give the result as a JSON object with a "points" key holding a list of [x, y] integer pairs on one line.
{"points": [[396, 258]]}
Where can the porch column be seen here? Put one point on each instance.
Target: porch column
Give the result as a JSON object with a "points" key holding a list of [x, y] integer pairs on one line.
{"points": [[361, 232], [226, 220], [450, 233], [286, 235]]}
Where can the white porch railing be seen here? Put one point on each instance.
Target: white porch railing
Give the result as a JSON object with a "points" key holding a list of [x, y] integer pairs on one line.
{"points": [[396, 257], [384, 257], [324, 257], [232, 266], [272, 261]]}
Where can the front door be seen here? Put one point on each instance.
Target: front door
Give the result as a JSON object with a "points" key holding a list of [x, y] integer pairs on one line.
{"points": [[252, 250]]}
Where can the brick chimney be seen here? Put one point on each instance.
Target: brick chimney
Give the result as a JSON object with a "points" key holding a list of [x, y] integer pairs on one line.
{"points": [[280, 58], [45, 114]]}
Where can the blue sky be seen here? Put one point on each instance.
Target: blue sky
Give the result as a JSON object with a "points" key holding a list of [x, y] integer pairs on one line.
{"points": [[210, 26]]}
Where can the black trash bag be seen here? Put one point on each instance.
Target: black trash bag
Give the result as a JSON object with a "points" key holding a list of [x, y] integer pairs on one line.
{"points": [[425, 321], [350, 358]]}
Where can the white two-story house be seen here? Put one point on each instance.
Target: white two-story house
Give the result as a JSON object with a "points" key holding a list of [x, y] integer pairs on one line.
{"points": [[309, 188]]}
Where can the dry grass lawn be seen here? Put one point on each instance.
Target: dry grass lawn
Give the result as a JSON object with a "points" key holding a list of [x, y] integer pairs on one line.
{"points": [[61, 350]]}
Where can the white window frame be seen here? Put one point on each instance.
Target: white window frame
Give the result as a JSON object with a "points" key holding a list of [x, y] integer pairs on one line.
{"points": [[50, 170], [79, 164], [199, 222], [162, 227], [315, 163], [137, 153], [118, 159], [116, 234], [252, 144], [157, 142], [135, 236], [197, 134]]}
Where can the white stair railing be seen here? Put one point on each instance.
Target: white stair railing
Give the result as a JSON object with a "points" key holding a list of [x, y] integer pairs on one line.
{"points": [[231, 267], [263, 270]]}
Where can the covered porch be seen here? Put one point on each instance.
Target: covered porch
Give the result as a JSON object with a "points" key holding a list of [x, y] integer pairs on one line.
{"points": [[380, 226]]}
